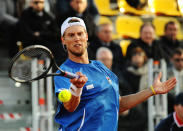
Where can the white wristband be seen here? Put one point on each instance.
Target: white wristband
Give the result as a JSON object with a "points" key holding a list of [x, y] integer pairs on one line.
{"points": [[75, 91]]}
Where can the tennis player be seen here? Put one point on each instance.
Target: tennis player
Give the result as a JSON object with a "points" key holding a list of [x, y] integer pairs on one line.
{"points": [[95, 101]]}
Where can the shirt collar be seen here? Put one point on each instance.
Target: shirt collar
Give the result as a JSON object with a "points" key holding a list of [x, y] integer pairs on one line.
{"points": [[178, 122]]}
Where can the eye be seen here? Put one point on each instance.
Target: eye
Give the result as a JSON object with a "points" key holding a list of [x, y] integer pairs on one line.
{"points": [[80, 34], [71, 35]]}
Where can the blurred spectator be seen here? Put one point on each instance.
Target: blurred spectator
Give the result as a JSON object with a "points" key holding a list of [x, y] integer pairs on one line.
{"points": [[79, 8], [8, 11], [175, 70], [63, 6], [7, 21], [169, 41], [147, 42], [36, 26], [136, 71], [104, 39], [174, 121], [49, 6], [105, 56], [136, 77]]}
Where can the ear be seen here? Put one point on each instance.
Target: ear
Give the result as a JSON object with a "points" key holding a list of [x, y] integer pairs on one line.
{"points": [[87, 36], [71, 2], [63, 44], [174, 107], [171, 59], [62, 39]]}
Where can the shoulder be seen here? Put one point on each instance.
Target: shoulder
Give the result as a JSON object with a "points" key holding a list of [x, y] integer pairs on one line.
{"points": [[115, 48], [28, 11], [101, 65], [135, 42], [165, 124], [98, 63], [49, 15], [163, 40], [156, 42], [114, 44]]}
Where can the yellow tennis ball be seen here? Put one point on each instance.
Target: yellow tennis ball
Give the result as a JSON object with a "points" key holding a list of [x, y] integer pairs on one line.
{"points": [[64, 95]]}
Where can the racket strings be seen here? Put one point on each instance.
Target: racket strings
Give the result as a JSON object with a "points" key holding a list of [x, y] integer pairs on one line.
{"points": [[31, 64]]}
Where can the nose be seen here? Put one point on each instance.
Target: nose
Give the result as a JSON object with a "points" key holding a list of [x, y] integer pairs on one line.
{"points": [[77, 37]]}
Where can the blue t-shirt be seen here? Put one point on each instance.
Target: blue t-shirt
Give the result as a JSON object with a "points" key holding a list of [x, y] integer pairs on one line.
{"points": [[99, 105]]}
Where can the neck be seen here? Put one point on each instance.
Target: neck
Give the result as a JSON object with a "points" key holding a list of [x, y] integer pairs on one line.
{"points": [[79, 59], [180, 120]]}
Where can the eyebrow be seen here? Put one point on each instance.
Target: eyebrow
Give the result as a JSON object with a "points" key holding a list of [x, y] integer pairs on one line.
{"points": [[75, 32]]}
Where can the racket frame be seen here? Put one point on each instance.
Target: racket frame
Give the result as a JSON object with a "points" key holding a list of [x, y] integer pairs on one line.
{"points": [[43, 75]]}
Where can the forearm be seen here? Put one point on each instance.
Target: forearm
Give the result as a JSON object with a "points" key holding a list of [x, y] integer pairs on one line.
{"points": [[75, 99], [72, 104], [129, 101], [158, 87], [76, 88]]}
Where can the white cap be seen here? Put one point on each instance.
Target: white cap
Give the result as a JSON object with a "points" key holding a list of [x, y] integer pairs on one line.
{"points": [[66, 24]]}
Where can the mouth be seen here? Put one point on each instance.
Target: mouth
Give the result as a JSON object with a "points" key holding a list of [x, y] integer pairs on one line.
{"points": [[77, 45]]}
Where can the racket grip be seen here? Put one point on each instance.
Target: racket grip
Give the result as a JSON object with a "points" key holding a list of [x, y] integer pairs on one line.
{"points": [[71, 75]]}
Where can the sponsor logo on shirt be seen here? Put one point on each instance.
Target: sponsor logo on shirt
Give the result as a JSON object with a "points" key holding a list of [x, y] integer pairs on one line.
{"points": [[109, 80], [88, 87]]}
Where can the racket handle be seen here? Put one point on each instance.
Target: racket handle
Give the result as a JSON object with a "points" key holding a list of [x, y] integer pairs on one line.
{"points": [[70, 75]]}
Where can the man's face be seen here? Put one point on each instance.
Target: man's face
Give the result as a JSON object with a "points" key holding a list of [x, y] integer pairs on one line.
{"points": [[106, 58], [105, 33], [179, 110], [171, 31], [75, 38], [38, 5], [178, 61], [147, 34], [79, 5]]}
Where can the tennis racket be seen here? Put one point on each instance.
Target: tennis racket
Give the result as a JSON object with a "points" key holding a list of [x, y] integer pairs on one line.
{"points": [[33, 63]]}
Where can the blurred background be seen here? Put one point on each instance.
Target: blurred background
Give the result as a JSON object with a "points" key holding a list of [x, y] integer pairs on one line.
{"points": [[143, 36]]}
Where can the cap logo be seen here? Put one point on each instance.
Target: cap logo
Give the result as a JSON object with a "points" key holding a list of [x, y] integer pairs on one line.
{"points": [[73, 20]]}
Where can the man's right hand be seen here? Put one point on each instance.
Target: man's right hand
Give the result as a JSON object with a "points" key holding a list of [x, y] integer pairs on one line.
{"points": [[79, 82]]}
